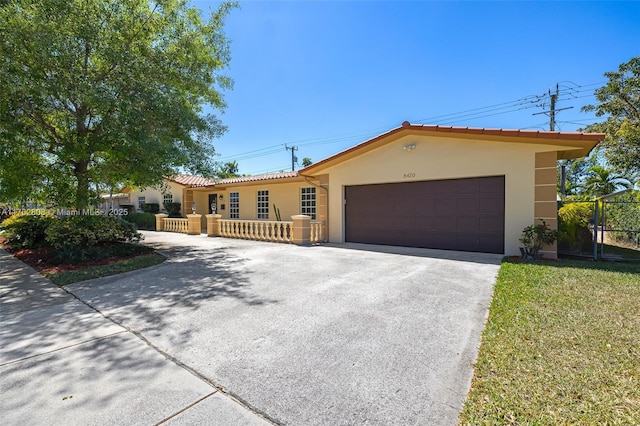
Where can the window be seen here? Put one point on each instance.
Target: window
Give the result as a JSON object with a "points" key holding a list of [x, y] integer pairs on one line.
{"points": [[263, 204], [140, 202], [308, 202], [167, 198], [234, 205]]}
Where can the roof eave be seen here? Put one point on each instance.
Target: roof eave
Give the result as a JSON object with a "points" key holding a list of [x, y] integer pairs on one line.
{"points": [[578, 144]]}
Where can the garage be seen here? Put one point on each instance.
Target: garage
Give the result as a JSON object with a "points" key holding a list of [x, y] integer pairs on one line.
{"points": [[454, 214]]}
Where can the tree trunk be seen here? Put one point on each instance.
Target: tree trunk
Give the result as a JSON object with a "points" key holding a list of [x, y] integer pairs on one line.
{"points": [[82, 188]]}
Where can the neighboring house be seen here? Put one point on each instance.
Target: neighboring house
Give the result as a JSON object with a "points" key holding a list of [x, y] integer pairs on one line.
{"points": [[456, 188], [172, 190], [113, 201]]}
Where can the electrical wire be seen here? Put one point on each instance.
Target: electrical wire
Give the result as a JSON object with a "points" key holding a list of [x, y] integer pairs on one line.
{"points": [[527, 102]]}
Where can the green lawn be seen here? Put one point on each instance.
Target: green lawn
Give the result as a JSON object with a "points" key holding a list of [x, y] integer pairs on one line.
{"points": [[623, 252], [561, 346]]}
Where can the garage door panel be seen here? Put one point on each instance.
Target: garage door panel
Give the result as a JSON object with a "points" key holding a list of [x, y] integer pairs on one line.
{"points": [[466, 224], [490, 224], [467, 206], [445, 206], [491, 205], [438, 188], [468, 187], [492, 187], [424, 207], [457, 214], [445, 223]]}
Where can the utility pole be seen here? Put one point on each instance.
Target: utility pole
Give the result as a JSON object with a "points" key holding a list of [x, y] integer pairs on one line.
{"points": [[553, 99], [293, 156]]}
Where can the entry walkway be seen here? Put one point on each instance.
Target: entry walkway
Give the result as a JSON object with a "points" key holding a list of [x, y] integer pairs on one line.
{"points": [[62, 362]]}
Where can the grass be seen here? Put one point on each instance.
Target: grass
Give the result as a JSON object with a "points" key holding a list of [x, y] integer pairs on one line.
{"points": [[561, 346], [624, 252], [68, 277]]}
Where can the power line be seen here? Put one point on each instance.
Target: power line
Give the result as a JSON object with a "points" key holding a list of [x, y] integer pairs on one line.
{"points": [[481, 110], [270, 169], [526, 102]]}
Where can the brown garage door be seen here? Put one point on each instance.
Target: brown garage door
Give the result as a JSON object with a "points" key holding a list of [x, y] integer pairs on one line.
{"points": [[454, 214]]}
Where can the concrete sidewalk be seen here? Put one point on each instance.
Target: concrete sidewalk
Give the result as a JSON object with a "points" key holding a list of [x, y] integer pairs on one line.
{"points": [[63, 362]]}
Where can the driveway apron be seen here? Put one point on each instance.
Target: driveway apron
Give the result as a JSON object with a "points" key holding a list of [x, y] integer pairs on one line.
{"points": [[328, 334]]}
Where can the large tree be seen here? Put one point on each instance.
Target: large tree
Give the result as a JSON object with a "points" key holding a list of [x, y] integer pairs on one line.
{"points": [[102, 92], [619, 102]]}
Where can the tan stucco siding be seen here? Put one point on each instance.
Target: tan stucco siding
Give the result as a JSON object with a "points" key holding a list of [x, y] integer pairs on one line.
{"points": [[285, 196], [546, 196], [156, 195], [443, 158]]}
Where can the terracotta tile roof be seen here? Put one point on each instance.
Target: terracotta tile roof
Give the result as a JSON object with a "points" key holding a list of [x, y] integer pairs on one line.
{"points": [[199, 181], [266, 176], [505, 132], [189, 180]]}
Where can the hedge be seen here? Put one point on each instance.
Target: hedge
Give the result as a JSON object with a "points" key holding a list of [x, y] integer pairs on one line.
{"points": [[146, 221]]}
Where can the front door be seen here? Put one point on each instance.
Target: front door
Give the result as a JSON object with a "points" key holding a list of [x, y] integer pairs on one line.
{"points": [[213, 203]]}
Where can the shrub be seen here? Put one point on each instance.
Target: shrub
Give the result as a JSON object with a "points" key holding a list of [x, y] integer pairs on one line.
{"points": [[81, 232], [536, 236], [574, 223], [623, 217], [151, 207], [27, 230], [173, 209], [77, 255], [130, 208], [145, 221]]}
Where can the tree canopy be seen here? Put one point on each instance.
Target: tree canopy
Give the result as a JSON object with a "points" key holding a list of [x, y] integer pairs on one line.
{"points": [[97, 93], [619, 102], [228, 170], [602, 181]]}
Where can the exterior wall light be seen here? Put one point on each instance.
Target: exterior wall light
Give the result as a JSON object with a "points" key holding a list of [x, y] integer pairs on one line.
{"points": [[409, 147]]}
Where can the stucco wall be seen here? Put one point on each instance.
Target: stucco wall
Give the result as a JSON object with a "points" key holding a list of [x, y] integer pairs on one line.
{"points": [[155, 195], [286, 197], [443, 158]]}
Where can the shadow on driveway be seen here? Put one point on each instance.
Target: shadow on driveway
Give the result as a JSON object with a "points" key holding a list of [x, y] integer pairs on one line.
{"points": [[189, 277], [482, 258]]}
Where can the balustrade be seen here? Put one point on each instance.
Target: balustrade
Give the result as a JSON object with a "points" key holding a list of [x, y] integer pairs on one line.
{"points": [[173, 224], [265, 230]]}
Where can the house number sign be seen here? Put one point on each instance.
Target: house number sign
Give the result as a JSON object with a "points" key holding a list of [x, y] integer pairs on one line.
{"points": [[409, 175]]}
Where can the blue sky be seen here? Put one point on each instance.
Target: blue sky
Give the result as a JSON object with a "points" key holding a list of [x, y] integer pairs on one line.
{"points": [[324, 76]]}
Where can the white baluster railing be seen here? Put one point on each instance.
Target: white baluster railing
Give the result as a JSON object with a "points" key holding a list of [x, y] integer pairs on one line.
{"points": [[317, 232], [176, 225], [266, 230], [261, 230]]}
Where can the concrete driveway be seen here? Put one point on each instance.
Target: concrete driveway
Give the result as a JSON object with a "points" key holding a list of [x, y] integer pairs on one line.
{"points": [[332, 334]]}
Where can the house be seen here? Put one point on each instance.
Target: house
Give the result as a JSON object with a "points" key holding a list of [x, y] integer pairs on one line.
{"points": [[454, 188], [172, 190]]}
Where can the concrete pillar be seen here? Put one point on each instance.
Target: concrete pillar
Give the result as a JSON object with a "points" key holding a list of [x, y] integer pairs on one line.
{"points": [[194, 226], [160, 222], [213, 225], [301, 229]]}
